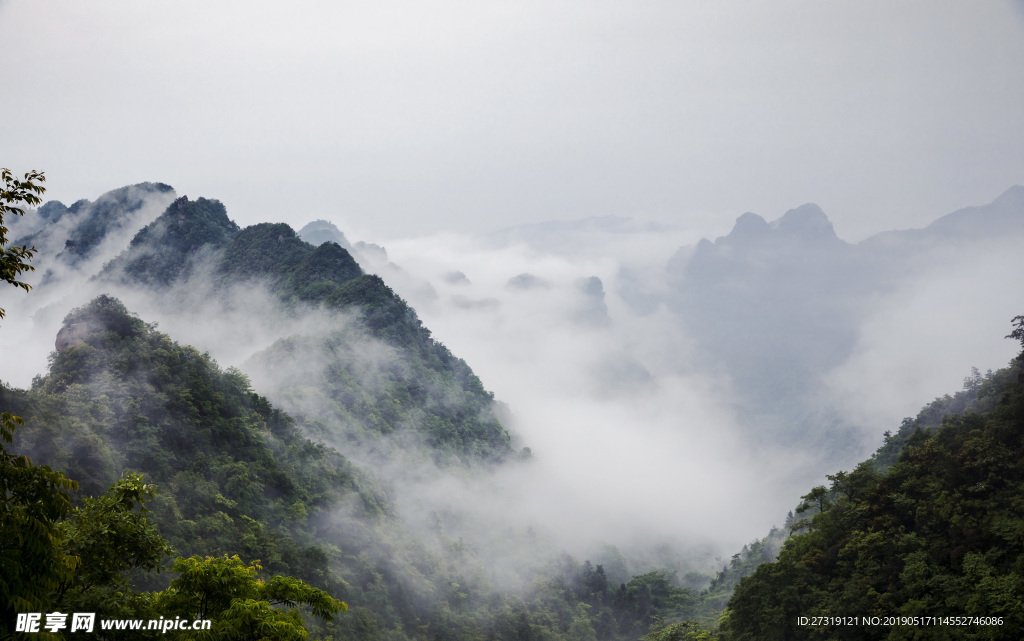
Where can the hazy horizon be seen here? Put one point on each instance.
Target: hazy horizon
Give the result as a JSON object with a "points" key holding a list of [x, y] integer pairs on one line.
{"points": [[395, 119]]}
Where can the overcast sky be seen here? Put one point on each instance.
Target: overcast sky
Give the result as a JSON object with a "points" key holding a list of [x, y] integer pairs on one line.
{"points": [[398, 118]]}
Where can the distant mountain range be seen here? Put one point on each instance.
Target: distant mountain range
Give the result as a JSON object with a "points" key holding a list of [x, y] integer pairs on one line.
{"points": [[778, 305]]}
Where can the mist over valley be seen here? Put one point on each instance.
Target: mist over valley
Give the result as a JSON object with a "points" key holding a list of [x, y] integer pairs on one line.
{"points": [[587, 321], [637, 400]]}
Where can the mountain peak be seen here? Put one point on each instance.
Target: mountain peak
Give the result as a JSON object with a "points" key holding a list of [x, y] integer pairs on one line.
{"points": [[1001, 217], [319, 232], [103, 314], [162, 251], [807, 221], [749, 225], [1012, 196]]}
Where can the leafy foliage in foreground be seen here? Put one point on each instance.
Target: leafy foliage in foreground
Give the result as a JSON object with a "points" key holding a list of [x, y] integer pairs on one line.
{"points": [[238, 603], [14, 260], [33, 499], [108, 536], [96, 546]]}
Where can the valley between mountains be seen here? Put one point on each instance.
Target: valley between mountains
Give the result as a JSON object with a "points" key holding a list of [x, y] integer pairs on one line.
{"points": [[226, 398]]}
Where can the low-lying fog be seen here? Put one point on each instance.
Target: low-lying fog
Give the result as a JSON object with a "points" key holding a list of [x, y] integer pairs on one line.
{"points": [[637, 442], [633, 439]]}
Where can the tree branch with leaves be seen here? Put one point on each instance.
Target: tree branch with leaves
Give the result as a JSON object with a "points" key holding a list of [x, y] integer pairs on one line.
{"points": [[14, 260]]}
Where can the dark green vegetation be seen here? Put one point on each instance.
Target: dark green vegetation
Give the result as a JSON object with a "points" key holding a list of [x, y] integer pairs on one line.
{"points": [[420, 389], [55, 556], [227, 474], [71, 235], [939, 532], [121, 396], [106, 214], [165, 250]]}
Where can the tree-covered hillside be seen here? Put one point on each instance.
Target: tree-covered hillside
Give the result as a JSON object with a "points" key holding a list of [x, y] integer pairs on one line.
{"points": [[70, 235], [58, 556], [422, 390], [226, 473], [232, 469], [232, 475], [936, 537]]}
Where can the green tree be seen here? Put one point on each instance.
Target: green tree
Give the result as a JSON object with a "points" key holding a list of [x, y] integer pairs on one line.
{"points": [[14, 260], [240, 605], [689, 630], [110, 535], [939, 533], [33, 498], [1018, 330]]}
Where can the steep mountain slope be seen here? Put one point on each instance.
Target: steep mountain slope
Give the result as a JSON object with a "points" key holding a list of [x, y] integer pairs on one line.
{"points": [[68, 236], [420, 391], [935, 537], [120, 396], [234, 475], [167, 249]]}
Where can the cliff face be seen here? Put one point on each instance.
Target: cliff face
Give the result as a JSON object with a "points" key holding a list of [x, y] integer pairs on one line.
{"points": [[73, 334]]}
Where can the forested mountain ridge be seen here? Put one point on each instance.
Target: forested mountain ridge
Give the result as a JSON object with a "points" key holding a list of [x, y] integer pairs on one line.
{"points": [[428, 391], [937, 533], [70, 236], [168, 248], [121, 396], [234, 475]]}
